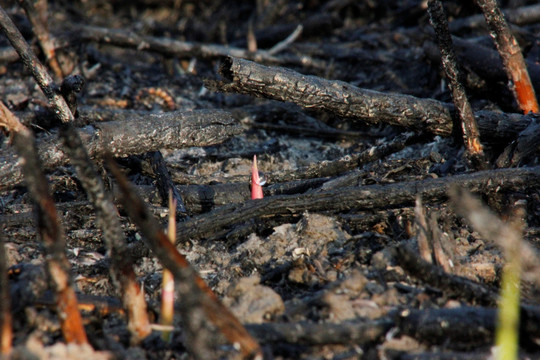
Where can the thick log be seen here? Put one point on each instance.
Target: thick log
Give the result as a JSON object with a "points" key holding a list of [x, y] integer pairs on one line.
{"points": [[141, 134], [343, 99]]}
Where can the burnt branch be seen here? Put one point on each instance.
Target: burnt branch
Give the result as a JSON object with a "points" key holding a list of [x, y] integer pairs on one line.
{"points": [[522, 148], [471, 136], [510, 52], [339, 97], [141, 134], [165, 183], [218, 222], [198, 301], [346, 163], [343, 99], [462, 326], [170, 47], [49, 229], [306, 333], [121, 269]]}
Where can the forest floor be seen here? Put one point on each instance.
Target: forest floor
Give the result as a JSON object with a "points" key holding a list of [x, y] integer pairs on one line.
{"points": [[330, 267]]}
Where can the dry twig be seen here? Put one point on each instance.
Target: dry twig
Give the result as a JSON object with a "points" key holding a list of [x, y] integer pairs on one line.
{"points": [[37, 14], [510, 52], [471, 136], [6, 329], [199, 303], [49, 228]]}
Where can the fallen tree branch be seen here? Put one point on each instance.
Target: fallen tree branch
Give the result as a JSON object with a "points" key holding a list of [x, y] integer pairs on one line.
{"points": [[171, 47], [343, 99], [141, 134], [217, 223], [463, 326]]}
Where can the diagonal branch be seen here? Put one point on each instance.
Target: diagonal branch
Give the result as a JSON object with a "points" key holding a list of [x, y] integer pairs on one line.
{"points": [[50, 229], [198, 300]]}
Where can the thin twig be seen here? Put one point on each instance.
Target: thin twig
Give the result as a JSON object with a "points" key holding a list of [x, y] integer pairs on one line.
{"points": [[49, 229], [198, 301], [521, 16], [37, 14], [6, 329], [40, 73], [167, 283], [282, 45], [510, 52], [471, 136], [423, 236], [177, 48]]}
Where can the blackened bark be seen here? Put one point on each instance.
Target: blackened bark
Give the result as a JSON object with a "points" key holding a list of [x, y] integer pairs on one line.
{"points": [[343, 99], [140, 135], [339, 97], [218, 222], [453, 72]]}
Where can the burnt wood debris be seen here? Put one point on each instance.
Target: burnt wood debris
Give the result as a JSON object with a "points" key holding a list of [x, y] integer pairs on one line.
{"points": [[399, 146]]}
